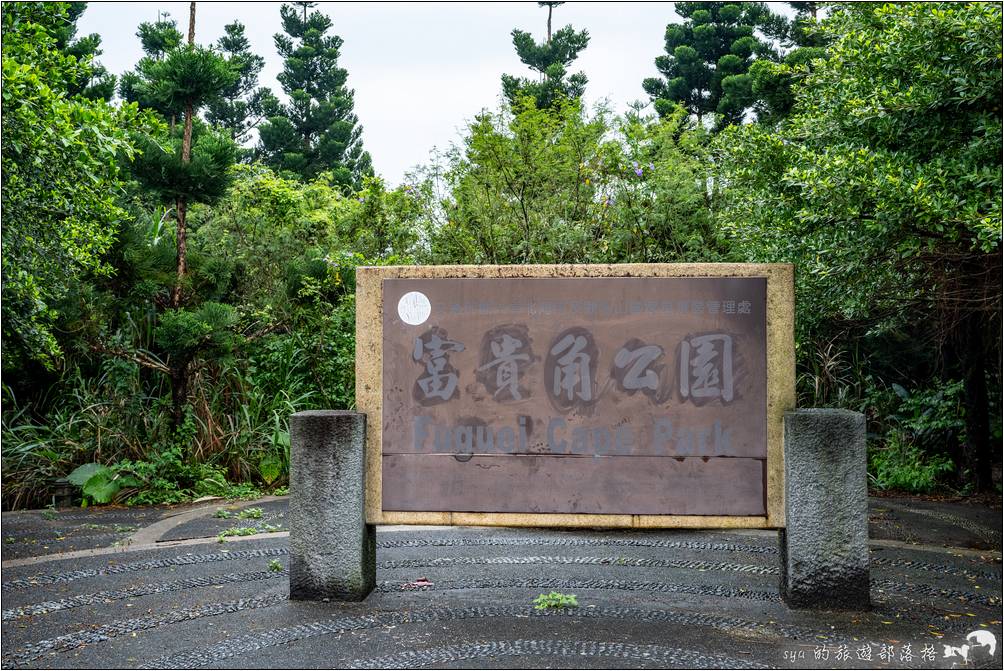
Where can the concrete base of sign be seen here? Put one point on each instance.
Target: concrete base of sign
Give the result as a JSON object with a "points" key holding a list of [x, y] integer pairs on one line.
{"points": [[332, 549], [824, 549]]}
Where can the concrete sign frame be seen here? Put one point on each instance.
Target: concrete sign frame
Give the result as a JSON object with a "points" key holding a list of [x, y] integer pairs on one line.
{"points": [[414, 309]]}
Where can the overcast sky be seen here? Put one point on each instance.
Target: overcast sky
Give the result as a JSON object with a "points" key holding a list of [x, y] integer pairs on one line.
{"points": [[420, 71]]}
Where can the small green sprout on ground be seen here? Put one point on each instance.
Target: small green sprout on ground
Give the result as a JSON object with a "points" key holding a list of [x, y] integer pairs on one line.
{"points": [[48, 514], [236, 531], [555, 600], [247, 514], [270, 528], [275, 566]]}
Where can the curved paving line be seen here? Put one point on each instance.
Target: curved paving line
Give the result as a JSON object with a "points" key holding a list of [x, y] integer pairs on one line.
{"points": [[50, 579], [577, 542], [33, 651], [63, 537], [99, 516], [105, 596], [252, 642], [888, 588], [657, 655], [249, 643], [899, 562], [937, 592], [895, 587], [894, 562], [984, 533], [181, 560], [622, 585], [584, 561]]}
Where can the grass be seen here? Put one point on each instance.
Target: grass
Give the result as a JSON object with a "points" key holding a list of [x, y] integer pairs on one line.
{"points": [[555, 600]]}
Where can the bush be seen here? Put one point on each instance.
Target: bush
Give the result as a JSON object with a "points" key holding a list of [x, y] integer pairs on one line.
{"points": [[919, 431], [903, 466]]}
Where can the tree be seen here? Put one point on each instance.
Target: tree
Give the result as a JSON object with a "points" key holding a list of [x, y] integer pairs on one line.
{"points": [[61, 173], [192, 167], [317, 130], [884, 187], [708, 57], [550, 60], [158, 39], [771, 81], [96, 82], [243, 105], [557, 185]]}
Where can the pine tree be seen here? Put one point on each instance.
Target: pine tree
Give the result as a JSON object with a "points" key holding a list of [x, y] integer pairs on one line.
{"points": [[243, 105], [550, 59], [195, 169], [157, 38], [771, 83], [317, 130], [708, 57]]}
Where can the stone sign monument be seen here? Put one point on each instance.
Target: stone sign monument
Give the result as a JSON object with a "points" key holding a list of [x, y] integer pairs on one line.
{"points": [[646, 396]]}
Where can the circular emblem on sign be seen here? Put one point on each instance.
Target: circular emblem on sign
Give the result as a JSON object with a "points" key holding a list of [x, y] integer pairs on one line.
{"points": [[414, 308]]}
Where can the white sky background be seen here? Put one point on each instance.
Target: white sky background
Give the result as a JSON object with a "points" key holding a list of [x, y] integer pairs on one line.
{"points": [[420, 71]]}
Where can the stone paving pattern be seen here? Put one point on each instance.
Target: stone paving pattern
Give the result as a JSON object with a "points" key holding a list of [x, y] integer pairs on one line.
{"points": [[681, 599]]}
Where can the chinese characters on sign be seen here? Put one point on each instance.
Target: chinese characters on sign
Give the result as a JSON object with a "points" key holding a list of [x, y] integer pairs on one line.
{"points": [[661, 381]]}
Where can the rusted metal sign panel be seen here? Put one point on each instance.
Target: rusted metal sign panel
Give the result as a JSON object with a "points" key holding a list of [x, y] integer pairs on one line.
{"points": [[598, 395]]}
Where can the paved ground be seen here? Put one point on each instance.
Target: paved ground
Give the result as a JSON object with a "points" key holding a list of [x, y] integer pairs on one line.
{"points": [[154, 588]]}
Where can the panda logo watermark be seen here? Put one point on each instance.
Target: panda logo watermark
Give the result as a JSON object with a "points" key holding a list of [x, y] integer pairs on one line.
{"points": [[980, 645]]}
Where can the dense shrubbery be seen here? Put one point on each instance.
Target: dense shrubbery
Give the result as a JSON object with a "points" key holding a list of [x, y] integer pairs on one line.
{"points": [[885, 199]]}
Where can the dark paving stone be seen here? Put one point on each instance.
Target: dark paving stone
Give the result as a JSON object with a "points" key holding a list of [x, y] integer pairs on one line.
{"points": [[273, 514], [653, 599], [935, 523], [34, 533]]}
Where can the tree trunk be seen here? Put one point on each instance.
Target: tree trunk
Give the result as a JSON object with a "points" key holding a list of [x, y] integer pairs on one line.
{"points": [[179, 369], [978, 458], [179, 392], [967, 357], [550, 8], [181, 209]]}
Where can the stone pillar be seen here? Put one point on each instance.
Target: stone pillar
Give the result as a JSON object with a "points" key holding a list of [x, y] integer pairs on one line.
{"points": [[824, 549], [332, 549]]}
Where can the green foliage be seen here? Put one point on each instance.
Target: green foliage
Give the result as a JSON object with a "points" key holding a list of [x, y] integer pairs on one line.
{"points": [[708, 57], [236, 531], [246, 514], [914, 436], [903, 466], [94, 82], [242, 105], [186, 75], [550, 60], [875, 168], [555, 600], [275, 566], [884, 188], [60, 176], [561, 186], [317, 130], [203, 179], [159, 37], [99, 483], [207, 328]]}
